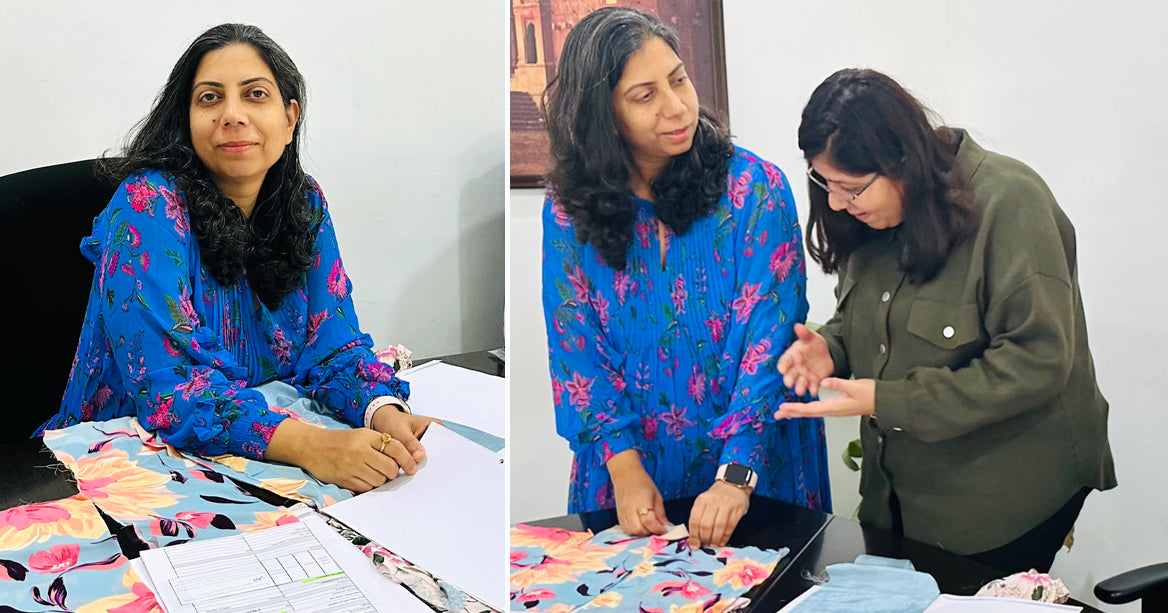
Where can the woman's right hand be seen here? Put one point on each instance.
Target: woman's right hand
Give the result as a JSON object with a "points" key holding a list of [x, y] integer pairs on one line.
{"points": [[806, 362], [639, 506], [353, 459]]}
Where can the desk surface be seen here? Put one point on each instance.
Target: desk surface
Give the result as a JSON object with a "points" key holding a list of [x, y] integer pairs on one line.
{"points": [[816, 539]]}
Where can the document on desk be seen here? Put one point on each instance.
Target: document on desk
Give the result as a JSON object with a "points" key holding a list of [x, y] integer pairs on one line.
{"points": [[303, 567], [448, 518], [466, 396]]}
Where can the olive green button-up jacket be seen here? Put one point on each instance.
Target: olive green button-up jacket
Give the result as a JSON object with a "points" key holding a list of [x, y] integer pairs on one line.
{"points": [[988, 416]]}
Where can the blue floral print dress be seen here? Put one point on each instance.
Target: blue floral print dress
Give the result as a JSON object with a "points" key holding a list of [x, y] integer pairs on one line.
{"points": [[164, 341], [679, 361]]}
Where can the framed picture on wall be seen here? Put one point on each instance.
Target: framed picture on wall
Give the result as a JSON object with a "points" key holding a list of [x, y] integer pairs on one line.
{"points": [[538, 30]]}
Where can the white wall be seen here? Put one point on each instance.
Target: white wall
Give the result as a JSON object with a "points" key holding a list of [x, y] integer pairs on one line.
{"points": [[1075, 90], [404, 132]]}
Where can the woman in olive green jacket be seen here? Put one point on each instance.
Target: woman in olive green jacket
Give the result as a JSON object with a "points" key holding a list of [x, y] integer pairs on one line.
{"points": [[960, 320]]}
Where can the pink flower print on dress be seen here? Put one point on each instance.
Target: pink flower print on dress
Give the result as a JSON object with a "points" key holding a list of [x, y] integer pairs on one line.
{"points": [[745, 302], [579, 282], [338, 282], [600, 305], [642, 230], [314, 323], [140, 194], [188, 309], [678, 295], [135, 236], [755, 355], [783, 259], [739, 189], [176, 210], [620, 284], [696, 387], [281, 346], [579, 390], [200, 380], [649, 427], [56, 559], [676, 422], [742, 573], [617, 381], [161, 418], [562, 218], [774, 179], [717, 328]]}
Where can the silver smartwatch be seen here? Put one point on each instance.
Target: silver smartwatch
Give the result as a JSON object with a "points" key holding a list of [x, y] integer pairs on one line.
{"points": [[737, 475]]}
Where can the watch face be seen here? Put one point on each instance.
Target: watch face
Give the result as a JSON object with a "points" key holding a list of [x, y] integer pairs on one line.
{"points": [[737, 474]]}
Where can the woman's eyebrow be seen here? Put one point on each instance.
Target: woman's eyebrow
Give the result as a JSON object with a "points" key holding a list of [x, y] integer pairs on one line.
{"points": [[243, 82]]}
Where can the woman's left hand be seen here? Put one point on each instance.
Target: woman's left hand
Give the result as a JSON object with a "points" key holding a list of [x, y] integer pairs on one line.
{"points": [[715, 514], [405, 427], [855, 397]]}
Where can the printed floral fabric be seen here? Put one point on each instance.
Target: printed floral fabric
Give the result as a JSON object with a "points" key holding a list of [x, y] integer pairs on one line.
{"points": [[167, 496], [440, 595], [59, 555], [560, 571], [164, 341], [679, 360]]}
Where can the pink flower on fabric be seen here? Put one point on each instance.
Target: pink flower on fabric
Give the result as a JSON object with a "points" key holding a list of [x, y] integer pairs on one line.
{"points": [[642, 230], [562, 218], [20, 518], [557, 387], [739, 189], [144, 260], [161, 416], [579, 282], [755, 355], [534, 596], [57, 559], [314, 323], [745, 302], [783, 259], [676, 422], [600, 305], [717, 327], [176, 210], [679, 294], [617, 381], [140, 194], [649, 427], [620, 283], [188, 309], [579, 390], [337, 281], [773, 175], [144, 601], [111, 265], [135, 236], [690, 590], [281, 346], [200, 380], [196, 518], [696, 387]]}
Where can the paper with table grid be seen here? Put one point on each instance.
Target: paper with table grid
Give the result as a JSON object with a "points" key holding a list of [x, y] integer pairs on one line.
{"points": [[295, 567]]}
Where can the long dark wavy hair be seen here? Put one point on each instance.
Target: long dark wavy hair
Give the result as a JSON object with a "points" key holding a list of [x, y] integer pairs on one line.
{"points": [[274, 245], [867, 122], [591, 163]]}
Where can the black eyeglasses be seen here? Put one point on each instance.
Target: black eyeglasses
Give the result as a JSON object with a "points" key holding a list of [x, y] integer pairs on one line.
{"points": [[846, 196]]}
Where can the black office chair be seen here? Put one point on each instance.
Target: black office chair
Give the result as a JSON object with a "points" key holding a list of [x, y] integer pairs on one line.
{"points": [[44, 285], [1148, 584]]}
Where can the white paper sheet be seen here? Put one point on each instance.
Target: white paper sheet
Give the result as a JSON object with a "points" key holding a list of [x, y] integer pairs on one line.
{"points": [[466, 396], [448, 518], [304, 567]]}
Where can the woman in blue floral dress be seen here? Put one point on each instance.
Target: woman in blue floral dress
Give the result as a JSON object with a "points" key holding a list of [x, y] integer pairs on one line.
{"points": [[673, 275], [217, 270]]}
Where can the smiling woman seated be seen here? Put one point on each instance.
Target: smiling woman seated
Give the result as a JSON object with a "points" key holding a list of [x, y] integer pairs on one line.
{"points": [[217, 270]]}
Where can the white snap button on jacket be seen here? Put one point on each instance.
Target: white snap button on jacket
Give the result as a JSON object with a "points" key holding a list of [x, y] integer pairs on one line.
{"points": [[885, 296], [948, 332], [882, 349]]}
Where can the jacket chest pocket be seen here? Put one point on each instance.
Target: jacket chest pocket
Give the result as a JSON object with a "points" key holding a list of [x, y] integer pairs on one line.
{"points": [[944, 325]]}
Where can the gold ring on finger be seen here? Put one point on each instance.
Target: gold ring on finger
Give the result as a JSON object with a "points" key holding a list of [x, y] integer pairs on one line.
{"points": [[385, 439], [643, 511]]}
